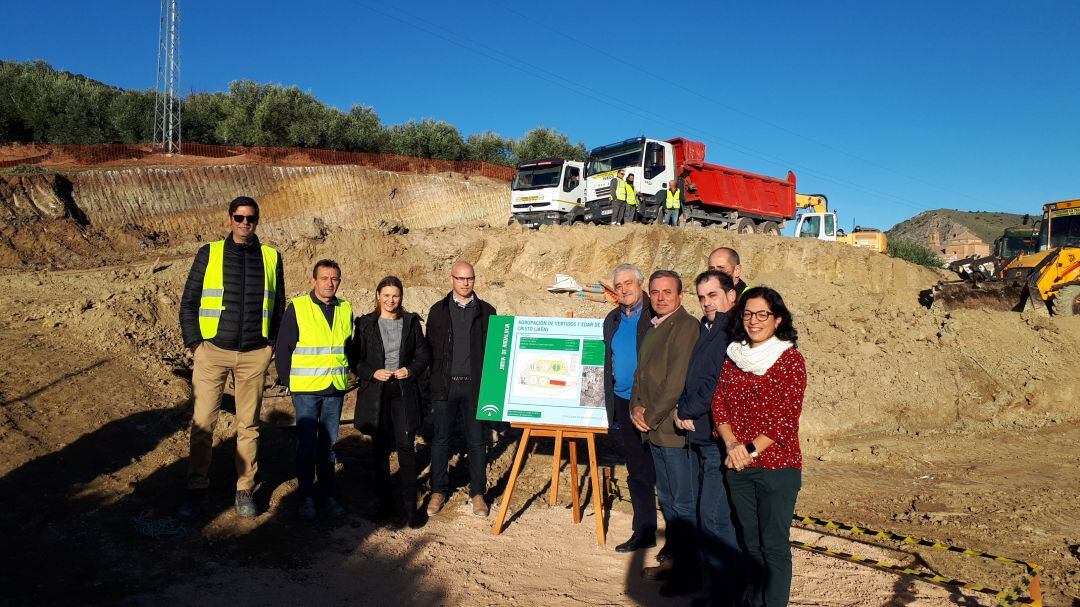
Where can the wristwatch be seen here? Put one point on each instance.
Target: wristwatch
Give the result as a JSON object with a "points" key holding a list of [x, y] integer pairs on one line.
{"points": [[752, 450]]}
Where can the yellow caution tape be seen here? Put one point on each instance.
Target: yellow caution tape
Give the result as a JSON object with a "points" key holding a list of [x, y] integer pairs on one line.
{"points": [[1020, 594]]}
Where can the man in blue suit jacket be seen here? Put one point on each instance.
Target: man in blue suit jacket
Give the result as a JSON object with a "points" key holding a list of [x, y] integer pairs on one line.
{"points": [[719, 547]]}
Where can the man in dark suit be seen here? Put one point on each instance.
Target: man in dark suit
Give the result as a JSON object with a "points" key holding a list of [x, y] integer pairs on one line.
{"points": [[719, 548]]}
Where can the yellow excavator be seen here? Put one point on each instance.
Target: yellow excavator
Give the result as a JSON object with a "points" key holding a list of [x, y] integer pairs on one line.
{"points": [[1046, 281], [819, 222]]}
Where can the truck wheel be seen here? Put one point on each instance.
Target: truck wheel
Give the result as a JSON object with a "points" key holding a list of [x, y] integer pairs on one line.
{"points": [[746, 226], [1067, 301], [770, 228]]}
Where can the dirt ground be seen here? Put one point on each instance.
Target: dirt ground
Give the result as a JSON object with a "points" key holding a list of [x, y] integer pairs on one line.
{"points": [[959, 427]]}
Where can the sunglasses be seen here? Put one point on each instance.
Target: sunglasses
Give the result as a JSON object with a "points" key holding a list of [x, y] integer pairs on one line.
{"points": [[252, 219]]}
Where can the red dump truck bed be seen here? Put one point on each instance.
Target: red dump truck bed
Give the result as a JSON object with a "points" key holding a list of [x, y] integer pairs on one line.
{"points": [[717, 188]]}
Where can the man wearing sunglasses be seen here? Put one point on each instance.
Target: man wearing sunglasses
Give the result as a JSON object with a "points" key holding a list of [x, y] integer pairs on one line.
{"points": [[232, 306], [457, 330]]}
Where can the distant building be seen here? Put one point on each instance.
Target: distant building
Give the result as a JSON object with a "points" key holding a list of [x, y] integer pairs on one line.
{"points": [[960, 244]]}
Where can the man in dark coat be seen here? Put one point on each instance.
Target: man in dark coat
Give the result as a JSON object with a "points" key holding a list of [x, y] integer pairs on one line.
{"points": [[457, 331], [726, 260], [624, 330], [716, 532]]}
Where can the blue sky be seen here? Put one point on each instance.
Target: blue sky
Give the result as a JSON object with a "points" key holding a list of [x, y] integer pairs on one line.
{"points": [[889, 109]]}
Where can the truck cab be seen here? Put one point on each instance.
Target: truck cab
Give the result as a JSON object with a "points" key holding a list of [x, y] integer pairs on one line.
{"points": [[650, 161], [821, 226], [548, 191]]}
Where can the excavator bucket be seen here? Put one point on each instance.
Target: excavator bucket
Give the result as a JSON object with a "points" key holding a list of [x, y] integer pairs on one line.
{"points": [[983, 295]]}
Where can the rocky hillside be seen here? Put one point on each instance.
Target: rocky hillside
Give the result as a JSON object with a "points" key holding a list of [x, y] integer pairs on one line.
{"points": [[949, 224]]}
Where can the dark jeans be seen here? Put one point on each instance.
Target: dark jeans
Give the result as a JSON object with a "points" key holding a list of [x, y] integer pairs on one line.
{"points": [[391, 435], [317, 422], [676, 480], [764, 503], [719, 545], [641, 475], [458, 401]]}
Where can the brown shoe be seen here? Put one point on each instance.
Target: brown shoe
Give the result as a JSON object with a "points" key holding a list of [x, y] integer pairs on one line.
{"points": [[479, 506], [435, 503], [660, 572]]}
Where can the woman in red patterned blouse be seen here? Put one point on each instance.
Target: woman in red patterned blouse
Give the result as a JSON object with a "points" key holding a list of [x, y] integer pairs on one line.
{"points": [[756, 411]]}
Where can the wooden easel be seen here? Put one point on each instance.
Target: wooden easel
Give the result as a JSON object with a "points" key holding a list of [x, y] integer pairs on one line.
{"points": [[559, 433]]}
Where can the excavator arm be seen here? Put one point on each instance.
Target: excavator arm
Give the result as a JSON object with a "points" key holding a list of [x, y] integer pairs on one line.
{"points": [[817, 203]]}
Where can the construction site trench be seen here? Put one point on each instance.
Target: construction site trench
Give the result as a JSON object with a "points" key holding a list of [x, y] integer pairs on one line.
{"points": [[959, 426]]}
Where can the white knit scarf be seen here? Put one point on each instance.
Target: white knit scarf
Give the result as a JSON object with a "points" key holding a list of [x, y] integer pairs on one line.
{"points": [[757, 360]]}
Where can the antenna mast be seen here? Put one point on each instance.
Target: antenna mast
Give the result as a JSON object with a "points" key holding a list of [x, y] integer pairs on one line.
{"points": [[167, 102]]}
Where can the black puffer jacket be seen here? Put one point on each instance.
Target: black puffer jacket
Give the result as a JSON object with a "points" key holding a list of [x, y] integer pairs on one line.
{"points": [[414, 355], [240, 327]]}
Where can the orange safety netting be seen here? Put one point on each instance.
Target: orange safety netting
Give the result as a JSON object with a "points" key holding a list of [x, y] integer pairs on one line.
{"points": [[104, 155]]}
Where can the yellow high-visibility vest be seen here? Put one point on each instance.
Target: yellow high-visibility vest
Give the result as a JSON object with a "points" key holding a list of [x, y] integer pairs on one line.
{"points": [[620, 189], [673, 199], [318, 360], [211, 303], [631, 195]]}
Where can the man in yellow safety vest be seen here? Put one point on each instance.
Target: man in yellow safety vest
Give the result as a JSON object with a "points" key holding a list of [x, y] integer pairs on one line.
{"points": [[673, 199], [230, 311], [631, 200], [312, 359], [617, 193]]}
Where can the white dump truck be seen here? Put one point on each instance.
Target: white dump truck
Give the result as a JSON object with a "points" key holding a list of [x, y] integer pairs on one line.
{"points": [[548, 191]]}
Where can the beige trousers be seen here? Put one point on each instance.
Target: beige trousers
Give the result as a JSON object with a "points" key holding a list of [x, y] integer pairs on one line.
{"points": [[212, 368]]}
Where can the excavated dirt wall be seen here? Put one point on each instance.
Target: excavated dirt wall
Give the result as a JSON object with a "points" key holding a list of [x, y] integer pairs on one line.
{"points": [[189, 202], [120, 212]]}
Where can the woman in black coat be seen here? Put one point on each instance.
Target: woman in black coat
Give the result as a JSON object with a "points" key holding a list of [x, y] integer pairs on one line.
{"points": [[393, 354]]}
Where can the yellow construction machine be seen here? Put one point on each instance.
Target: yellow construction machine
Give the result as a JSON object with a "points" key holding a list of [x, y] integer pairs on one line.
{"points": [[1048, 280], [820, 223]]}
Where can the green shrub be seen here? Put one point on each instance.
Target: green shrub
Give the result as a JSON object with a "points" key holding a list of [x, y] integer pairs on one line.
{"points": [[916, 253]]}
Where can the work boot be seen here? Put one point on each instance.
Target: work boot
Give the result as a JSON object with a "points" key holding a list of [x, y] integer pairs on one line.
{"points": [[659, 572], [245, 504], [435, 503], [479, 506], [307, 509], [195, 504], [637, 541], [333, 508]]}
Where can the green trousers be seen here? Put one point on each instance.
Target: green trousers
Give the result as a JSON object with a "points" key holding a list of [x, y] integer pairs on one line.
{"points": [[764, 502]]}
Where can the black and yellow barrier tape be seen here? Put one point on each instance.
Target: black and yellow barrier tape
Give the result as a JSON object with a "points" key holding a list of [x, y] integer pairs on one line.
{"points": [[1025, 592]]}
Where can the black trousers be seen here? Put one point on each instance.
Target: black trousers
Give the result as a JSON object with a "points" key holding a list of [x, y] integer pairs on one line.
{"points": [[641, 473], [459, 401], [393, 434]]}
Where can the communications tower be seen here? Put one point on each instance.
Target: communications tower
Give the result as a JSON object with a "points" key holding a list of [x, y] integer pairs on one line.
{"points": [[167, 102]]}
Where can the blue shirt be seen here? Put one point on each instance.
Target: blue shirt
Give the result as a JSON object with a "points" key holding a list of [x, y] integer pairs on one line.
{"points": [[624, 351]]}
